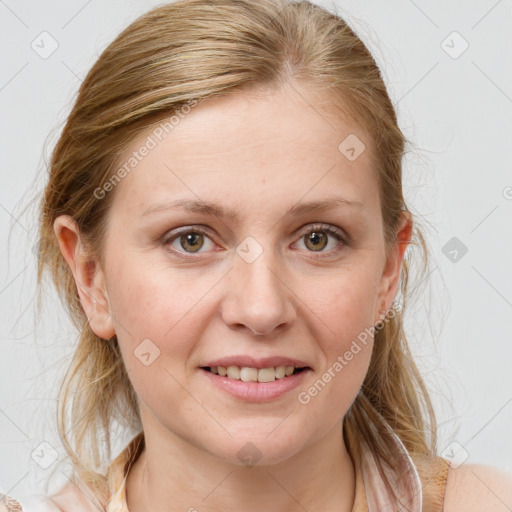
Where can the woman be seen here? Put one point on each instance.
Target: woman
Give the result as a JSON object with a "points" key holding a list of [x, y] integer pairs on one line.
{"points": [[224, 219]]}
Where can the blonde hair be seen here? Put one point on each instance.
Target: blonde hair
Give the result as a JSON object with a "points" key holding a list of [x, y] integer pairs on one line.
{"points": [[174, 55]]}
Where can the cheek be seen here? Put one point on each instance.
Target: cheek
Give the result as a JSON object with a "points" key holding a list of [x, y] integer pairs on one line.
{"points": [[155, 304], [345, 304], [153, 318], [346, 341]]}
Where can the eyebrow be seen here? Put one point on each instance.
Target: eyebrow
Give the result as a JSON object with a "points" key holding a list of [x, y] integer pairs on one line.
{"points": [[218, 211]]}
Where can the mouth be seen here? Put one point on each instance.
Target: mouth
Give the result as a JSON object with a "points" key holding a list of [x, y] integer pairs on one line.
{"points": [[252, 374], [256, 379]]}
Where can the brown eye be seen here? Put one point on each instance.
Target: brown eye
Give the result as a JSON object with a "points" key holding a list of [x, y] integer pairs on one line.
{"points": [[321, 236], [316, 240], [192, 240], [189, 242]]}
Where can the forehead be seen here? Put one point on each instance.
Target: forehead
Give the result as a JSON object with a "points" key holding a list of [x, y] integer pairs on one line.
{"points": [[250, 149]]}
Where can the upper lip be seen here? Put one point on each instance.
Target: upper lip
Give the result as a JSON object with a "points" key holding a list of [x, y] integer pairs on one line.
{"points": [[253, 362]]}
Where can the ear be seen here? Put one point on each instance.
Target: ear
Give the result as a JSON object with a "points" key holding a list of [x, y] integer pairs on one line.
{"points": [[89, 277], [391, 273]]}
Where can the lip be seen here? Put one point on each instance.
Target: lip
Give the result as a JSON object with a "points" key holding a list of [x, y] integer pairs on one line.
{"points": [[252, 362], [256, 391]]}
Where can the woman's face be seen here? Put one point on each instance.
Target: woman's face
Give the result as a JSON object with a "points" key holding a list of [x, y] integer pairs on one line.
{"points": [[257, 281]]}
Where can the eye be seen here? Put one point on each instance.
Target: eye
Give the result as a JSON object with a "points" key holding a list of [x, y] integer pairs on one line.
{"points": [[189, 241], [316, 238]]}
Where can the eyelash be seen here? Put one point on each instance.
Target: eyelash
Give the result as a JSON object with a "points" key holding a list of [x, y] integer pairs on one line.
{"points": [[325, 228]]}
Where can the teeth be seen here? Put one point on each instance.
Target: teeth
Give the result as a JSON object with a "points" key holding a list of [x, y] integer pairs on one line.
{"points": [[266, 375], [247, 374], [233, 372], [280, 371]]}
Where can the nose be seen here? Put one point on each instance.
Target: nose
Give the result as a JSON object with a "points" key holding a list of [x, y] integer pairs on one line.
{"points": [[258, 296]]}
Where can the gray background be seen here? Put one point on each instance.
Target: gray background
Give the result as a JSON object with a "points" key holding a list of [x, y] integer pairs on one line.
{"points": [[456, 107]]}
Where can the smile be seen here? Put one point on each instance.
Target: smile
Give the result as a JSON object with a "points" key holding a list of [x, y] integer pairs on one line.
{"points": [[273, 383], [249, 374]]}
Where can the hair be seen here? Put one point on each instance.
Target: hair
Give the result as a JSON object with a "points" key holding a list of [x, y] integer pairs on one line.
{"points": [[185, 52]]}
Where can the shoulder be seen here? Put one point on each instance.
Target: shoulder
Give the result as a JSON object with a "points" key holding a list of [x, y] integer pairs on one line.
{"points": [[477, 487]]}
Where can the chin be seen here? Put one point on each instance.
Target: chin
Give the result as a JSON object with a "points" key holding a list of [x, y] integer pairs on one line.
{"points": [[260, 450]]}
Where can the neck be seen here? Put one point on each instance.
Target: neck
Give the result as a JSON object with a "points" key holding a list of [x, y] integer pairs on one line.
{"points": [[170, 475]]}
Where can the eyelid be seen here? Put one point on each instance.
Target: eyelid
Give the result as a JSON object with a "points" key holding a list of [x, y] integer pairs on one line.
{"points": [[337, 233], [308, 228], [319, 226], [171, 236], [193, 228]]}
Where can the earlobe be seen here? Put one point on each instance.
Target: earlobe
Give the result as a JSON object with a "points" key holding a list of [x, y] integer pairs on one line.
{"points": [[89, 277]]}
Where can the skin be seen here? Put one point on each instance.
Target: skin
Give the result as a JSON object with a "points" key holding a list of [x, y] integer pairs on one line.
{"points": [[258, 153]]}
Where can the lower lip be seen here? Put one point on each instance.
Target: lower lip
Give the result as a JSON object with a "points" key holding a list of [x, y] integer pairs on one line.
{"points": [[256, 391]]}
